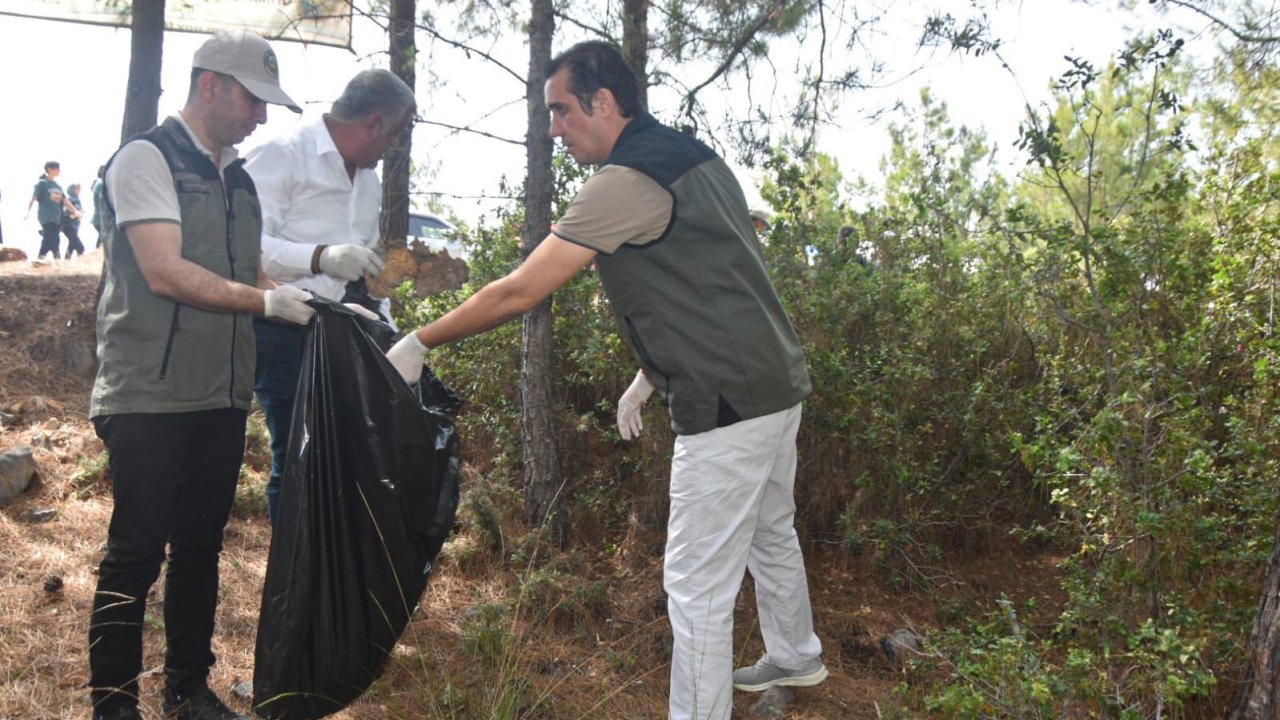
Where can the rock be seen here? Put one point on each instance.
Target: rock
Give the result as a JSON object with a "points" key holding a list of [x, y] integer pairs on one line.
{"points": [[438, 273], [900, 645], [37, 515], [52, 584], [17, 468], [11, 254], [772, 704], [242, 689]]}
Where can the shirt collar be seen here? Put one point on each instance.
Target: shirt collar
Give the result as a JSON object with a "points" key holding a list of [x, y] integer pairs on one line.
{"points": [[323, 140], [229, 154]]}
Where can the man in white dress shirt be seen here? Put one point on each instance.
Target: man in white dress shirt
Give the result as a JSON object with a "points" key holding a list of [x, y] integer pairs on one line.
{"points": [[320, 198]]}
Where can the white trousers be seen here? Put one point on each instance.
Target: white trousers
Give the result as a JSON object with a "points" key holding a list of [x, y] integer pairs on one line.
{"points": [[733, 508]]}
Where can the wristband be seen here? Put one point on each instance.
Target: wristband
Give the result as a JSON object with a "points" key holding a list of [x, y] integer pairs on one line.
{"points": [[315, 259]]}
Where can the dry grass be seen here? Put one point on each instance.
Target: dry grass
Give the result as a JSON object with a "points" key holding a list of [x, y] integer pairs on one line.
{"points": [[589, 640]]}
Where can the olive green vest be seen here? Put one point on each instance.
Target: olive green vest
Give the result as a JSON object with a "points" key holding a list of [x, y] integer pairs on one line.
{"points": [[157, 355], [696, 305]]}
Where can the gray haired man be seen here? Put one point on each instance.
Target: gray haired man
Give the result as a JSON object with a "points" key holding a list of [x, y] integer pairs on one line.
{"points": [[320, 198]]}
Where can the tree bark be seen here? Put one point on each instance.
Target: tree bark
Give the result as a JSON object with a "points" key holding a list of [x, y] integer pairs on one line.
{"points": [[1259, 697], [635, 43], [543, 480], [394, 221], [142, 96]]}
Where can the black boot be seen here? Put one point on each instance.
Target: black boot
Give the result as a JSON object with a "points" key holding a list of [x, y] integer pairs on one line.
{"points": [[200, 705]]}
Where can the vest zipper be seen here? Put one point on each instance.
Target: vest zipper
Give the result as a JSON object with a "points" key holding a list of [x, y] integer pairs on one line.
{"points": [[231, 261], [168, 346]]}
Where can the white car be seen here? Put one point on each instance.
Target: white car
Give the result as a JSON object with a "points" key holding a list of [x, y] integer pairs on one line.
{"points": [[435, 233]]}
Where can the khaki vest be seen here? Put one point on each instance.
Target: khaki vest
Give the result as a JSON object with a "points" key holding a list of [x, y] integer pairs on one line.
{"points": [[696, 305], [160, 356]]}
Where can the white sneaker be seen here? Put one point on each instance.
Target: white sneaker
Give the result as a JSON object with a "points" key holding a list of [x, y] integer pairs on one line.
{"points": [[764, 675]]}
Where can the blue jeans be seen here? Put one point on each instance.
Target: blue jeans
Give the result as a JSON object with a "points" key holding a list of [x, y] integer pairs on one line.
{"points": [[276, 384]]}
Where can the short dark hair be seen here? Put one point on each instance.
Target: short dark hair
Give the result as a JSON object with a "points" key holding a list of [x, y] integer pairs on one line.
{"points": [[195, 80], [52, 165], [594, 65]]}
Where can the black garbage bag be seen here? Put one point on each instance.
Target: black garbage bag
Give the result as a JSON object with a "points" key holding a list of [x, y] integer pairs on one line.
{"points": [[368, 497]]}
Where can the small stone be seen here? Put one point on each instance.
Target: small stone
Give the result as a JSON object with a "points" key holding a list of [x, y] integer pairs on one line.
{"points": [[52, 584], [38, 515], [900, 645], [17, 468], [242, 689], [772, 704]]}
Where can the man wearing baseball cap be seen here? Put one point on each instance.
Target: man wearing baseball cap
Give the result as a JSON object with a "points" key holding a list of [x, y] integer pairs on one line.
{"points": [[182, 282]]}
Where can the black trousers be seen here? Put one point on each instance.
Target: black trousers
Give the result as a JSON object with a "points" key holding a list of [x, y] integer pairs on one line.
{"points": [[49, 240], [173, 479], [73, 239]]}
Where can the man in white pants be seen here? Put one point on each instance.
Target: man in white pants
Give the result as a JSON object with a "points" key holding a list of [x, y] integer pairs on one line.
{"points": [[668, 228]]}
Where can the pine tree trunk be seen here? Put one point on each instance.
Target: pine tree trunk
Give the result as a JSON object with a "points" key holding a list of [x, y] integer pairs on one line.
{"points": [[1259, 697], [635, 43], [543, 481], [142, 96], [394, 221]]}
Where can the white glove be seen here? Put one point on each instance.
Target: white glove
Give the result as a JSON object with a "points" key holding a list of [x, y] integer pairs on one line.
{"points": [[407, 357], [362, 311], [629, 423], [349, 262], [288, 303]]}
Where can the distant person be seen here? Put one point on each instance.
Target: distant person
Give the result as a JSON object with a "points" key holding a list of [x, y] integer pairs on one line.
{"points": [[183, 278], [320, 197], [667, 225], [70, 224], [760, 221], [98, 190], [50, 203]]}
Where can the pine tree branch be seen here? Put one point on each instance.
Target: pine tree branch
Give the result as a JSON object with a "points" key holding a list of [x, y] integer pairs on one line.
{"points": [[738, 46], [1240, 35]]}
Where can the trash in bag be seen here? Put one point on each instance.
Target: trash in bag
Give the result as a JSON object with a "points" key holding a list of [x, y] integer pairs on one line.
{"points": [[367, 498]]}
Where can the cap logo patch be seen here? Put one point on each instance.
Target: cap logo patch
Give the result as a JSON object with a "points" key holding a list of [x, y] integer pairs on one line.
{"points": [[269, 63]]}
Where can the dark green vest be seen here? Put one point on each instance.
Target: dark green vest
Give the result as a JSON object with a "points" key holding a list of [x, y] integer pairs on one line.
{"points": [[160, 356], [696, 305]]}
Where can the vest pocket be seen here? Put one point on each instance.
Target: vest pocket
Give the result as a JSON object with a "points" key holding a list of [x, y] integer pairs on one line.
{"points": [[168, 345], [640, 349], [197, 364]]}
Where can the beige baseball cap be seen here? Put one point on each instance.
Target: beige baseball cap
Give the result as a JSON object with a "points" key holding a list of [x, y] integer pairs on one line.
{"points": [[247, 58]]}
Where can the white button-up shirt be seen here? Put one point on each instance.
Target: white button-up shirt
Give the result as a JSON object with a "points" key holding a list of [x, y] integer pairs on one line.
{"points": [[307, 200]]}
